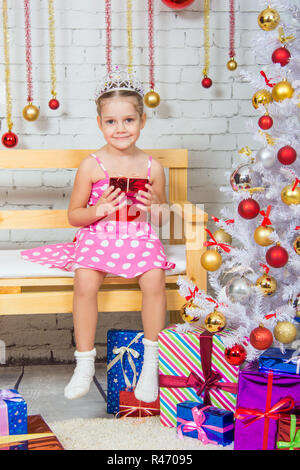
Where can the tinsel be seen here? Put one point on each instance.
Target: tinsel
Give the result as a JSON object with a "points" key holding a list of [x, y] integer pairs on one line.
{"points": [[231, 29], [7, 66], [129, 36], [151, 43], [28, 49], [206, 37], [108, 35], [51, 21]]}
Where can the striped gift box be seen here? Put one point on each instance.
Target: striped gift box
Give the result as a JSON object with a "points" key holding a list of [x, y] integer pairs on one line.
{"points": [[179, 355]]}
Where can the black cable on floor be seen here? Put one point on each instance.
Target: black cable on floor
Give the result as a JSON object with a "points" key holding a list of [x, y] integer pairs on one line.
{"points": [[19, 379], [98, 385]]}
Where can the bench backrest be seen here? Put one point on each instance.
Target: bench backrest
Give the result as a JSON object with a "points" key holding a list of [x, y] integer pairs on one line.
{"points": [[174, 159]]}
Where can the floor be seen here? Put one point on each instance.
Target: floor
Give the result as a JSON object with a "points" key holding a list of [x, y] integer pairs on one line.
{"points": [[42, 387]]}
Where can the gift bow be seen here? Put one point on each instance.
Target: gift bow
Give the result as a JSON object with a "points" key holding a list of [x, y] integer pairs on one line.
{"points": [[266, 220], [224, 246], [196, 425], [6, 395], [283, 405], [294, 437], [119, 357], [294, 360]]}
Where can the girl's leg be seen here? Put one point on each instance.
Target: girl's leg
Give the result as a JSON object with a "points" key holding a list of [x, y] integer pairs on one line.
{"points": [[85, 317], [154, 305]]}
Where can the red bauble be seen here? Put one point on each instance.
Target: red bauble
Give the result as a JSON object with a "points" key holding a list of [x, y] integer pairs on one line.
{"points": [[248, 208], [236, 355], [206, 82], [177, 4], [287, 155], [53, 103], [277, 257], [9, 139], [281, 56], [265, 122], [261, 338]]}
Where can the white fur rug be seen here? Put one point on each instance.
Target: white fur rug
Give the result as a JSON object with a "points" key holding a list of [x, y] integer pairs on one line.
{"points": [[124, 434]]}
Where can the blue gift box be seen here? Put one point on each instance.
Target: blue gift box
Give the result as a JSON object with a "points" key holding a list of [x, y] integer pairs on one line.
{"points": [[273, 359], [13, 413], [211, 424], [125, 354]]}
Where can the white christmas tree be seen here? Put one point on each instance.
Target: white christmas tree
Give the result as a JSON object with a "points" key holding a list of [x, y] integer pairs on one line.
{"points": [[265, 188]]}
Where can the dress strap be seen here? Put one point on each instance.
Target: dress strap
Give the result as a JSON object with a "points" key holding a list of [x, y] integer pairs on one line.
{"points": [[101, 164], [149, 166]]}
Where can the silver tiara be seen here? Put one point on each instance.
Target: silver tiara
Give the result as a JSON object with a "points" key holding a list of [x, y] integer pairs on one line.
{"points": [[119, 80]]}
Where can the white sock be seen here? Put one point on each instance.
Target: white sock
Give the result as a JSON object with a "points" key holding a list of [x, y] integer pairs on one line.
{"points": [[84, 372], [147, 386]]}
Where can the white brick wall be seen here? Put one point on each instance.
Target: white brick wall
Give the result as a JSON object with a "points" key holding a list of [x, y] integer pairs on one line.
{"points": [[210, 123]]}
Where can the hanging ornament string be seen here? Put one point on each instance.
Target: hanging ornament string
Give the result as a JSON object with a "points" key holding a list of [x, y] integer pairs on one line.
{"points": [[129, 35], [108, 35], [30, 112], [53, 103], [9, 139], [231, 64], [206, 82], [151, 99]]}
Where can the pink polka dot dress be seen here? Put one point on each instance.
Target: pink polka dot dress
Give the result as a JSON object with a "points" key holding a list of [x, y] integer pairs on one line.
{"points": [[124, 246]]}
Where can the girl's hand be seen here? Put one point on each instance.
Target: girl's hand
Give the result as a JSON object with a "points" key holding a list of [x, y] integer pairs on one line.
{"points": [[147, 198], [110, 202]]}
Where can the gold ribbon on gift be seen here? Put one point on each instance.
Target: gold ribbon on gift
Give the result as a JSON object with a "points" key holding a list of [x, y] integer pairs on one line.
{"points": [[119, 357], [18, 438], [128, 410]]}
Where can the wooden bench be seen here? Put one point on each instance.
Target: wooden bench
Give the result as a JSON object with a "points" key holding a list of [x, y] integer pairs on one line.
{"points": [[41, 295]]}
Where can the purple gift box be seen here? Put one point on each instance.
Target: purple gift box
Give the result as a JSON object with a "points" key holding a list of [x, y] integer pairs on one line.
{"points": [[261, 397]]}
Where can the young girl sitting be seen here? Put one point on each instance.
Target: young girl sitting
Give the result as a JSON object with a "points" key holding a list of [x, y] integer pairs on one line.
{"points": [[115, 236]]}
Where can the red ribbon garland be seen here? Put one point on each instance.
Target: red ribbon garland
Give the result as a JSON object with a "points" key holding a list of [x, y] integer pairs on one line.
{"points": [[211, 379], [265, 267], [282, 406], [266, 220], [295, 184], [267, 317], [224, 246], [266, 79], [229, 221], [192, 296]]}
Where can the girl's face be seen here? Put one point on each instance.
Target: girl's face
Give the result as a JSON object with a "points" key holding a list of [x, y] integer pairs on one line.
{"points": [[120, 122]]}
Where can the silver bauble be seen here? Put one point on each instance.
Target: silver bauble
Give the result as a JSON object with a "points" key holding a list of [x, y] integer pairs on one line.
{"points": [[241, 178], [266, 157], [239, 289]]}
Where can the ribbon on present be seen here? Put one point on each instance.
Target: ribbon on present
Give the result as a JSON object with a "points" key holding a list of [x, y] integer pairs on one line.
{"points": [[127, 410], [282, 406], [119, 357], [294, 360], [19, 438], [294, 437], [266, 220], [11, 396], [211, 379], [198, 424]]}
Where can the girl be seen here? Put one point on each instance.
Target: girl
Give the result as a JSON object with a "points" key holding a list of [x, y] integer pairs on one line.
{"points": [[115, 236]]}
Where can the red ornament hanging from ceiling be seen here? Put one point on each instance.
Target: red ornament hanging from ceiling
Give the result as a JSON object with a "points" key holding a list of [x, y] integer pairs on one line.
{"points": [[177, 4]]}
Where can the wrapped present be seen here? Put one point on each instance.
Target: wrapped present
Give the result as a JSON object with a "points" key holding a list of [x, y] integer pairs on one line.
{"points": [[206, 423], [125, 353], [262, 396], [274, 359], [13, 413], [130, 406], [192, 367], [39, 437], [288, 433]]}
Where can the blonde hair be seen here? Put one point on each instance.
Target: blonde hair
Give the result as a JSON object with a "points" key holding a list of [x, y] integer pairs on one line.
{"points": [[121, 93]]}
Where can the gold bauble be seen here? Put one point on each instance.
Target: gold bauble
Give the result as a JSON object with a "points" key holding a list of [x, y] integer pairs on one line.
{"points": [[211, 260], [222, 237], [186, 316], [31, 112], [282, 90], [288, 196], [215, 321], [152, 99], [267, 284], [231, 64], [261, 97], [262, 235], [285, 332], [268, 19], [296, 245]]}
